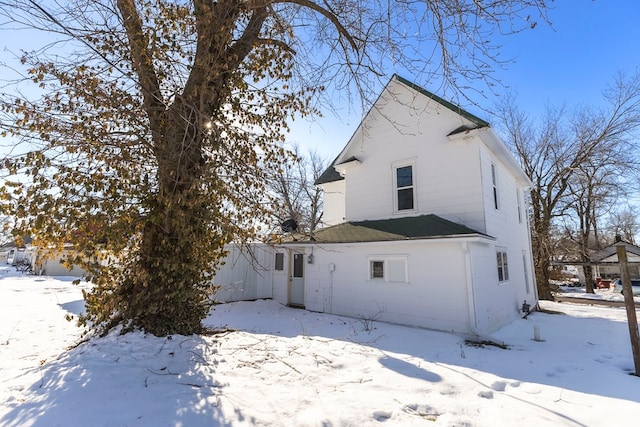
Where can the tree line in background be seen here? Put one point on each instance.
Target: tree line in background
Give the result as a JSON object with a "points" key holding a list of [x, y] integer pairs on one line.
{"points": [[584, 164]]}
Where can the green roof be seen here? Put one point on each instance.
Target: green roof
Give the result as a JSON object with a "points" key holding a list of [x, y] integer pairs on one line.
{"points": [[407, 228], [329, 175]]}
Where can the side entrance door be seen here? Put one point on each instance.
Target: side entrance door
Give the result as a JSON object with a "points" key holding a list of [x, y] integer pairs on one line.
{"points": [[296, 293]]}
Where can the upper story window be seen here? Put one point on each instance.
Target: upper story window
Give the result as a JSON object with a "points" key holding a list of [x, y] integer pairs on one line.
{"points": [[404, 187], [494, 183]]}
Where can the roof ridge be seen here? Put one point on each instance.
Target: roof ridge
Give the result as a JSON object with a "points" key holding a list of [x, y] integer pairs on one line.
{"points": [[451, 106]]}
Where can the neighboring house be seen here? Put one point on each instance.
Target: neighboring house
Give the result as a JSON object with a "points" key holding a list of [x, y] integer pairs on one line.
{"points": [[426, 224], [605, 261], [38, 260], [51, 263], [18, 253]]}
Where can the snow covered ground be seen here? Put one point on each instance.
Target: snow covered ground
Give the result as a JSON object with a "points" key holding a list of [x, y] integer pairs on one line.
{"points": [[288, 367]]}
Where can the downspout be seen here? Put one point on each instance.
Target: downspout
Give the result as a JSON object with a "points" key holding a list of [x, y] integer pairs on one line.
{"points": [[471, 299]]}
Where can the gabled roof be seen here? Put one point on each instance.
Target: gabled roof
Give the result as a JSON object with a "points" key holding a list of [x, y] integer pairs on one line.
{"points": [[456, 109], [611, 251], [27, 240], [407, 228], [331, 175]]}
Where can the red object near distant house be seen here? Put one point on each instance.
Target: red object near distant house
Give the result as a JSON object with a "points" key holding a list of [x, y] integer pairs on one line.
{"points": [[603, 283]]}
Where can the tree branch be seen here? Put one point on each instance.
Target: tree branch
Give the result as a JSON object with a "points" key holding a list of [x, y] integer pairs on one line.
{"points": [[142, 61]]}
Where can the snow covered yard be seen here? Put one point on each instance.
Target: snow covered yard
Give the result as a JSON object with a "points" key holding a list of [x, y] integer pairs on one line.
{"points": [[288, 367]]}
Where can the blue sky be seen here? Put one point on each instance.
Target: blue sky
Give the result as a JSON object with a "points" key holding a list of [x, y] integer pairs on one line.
{"points": [[570, 62]]}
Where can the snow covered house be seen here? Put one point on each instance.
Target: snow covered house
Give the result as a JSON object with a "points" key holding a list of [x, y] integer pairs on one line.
{"points": [[426, 224]]}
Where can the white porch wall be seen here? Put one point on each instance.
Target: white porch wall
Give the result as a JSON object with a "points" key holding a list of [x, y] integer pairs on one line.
{"points": [[435, 296], [245, 276], [333, 195]]}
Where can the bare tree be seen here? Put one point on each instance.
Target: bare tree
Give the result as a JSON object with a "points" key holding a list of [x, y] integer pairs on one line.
{"points": [[624, 223], [158, 122], [296, 196], [566, 151]]}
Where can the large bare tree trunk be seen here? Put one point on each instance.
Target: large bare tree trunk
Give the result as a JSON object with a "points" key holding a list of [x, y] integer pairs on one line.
{"points": [[542, 267]]}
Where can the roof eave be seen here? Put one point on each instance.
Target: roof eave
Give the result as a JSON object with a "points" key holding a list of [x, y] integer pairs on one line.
{"points": [[475, 237]]}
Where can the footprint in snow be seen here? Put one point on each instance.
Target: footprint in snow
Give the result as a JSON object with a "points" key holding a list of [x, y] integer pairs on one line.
{"points": [[499, 386], [381, 416], [486, 394]]}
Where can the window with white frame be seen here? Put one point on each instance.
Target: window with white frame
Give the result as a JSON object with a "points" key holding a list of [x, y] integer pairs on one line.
{"points": [[388, 268], [404, 187], [519, 201], [503, 265], [494, 184]]}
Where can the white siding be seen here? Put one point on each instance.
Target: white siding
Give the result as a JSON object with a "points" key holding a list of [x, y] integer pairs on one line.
{"points": [[512, 234], [333, 204], [445, 172], [246, 275], [434, 297]]}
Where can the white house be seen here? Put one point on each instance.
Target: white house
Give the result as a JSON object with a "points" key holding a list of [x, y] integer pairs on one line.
{"points": [[426, 224]]}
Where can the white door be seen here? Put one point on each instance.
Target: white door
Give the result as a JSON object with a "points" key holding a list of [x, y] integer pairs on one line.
{"points": [[296, 295]]}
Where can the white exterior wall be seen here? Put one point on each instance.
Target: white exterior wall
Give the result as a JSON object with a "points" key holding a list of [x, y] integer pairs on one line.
{"points": [[245, 276], [280, 286], [434, 297], [499, 301], [49, 264], [53, 267], [333, 195], [452, 283], [445, 172]]}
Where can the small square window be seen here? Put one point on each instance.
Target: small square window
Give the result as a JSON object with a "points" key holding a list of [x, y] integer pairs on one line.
{"points": [[279, 261], [377, 269]]}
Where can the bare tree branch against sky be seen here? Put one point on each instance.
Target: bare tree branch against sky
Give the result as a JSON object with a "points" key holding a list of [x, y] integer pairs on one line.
{"points": [[571, 62]]}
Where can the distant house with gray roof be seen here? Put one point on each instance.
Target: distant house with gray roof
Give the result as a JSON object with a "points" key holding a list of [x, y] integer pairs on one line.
{"points": [[605, 261]]}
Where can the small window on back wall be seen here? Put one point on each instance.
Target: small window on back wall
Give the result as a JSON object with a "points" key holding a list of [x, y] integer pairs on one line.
{"points": [[279, 261], [392, 269], [377, 269], [404, 187]]}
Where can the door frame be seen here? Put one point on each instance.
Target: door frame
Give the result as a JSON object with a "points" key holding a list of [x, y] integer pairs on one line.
{"points": [[292, 253]]}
